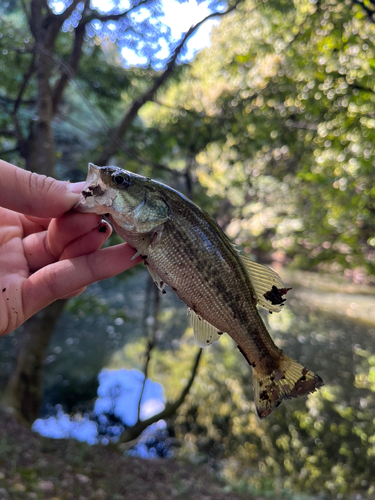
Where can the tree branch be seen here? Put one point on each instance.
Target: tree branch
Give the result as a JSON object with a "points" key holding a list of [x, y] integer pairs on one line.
{"points": [[110, 17], [170, 408], [132, 154], [75, 57], [77, 50], [67, 12], [301, 125], [149, 94], [25, 81], [151, 342], [7, 133], [24, 8]]}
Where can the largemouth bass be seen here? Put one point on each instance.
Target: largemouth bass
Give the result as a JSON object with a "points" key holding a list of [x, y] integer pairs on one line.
{"points": [[184, 248]]}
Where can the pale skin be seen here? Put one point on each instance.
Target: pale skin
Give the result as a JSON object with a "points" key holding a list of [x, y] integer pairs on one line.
{"points": [[47, 251]]}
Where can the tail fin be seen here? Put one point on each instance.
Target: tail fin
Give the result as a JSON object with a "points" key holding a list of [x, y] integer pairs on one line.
{"points": [[288, 381]]}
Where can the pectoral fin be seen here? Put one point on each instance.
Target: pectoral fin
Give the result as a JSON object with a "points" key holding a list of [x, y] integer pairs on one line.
{"points": [[204, 333], [143, 247], [268, 287], [150, 239]]}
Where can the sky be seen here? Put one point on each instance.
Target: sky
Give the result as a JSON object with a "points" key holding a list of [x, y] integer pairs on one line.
{"points": [[178, 16]]}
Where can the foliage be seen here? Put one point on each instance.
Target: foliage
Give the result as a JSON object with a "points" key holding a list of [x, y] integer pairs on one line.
{"points": [[284, 108]]}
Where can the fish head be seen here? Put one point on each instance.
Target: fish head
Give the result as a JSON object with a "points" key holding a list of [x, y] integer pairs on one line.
{"points": [[131, 200]]}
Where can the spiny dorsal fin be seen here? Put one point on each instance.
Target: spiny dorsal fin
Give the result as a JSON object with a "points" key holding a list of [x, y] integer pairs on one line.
{"points": [[263, 280], [204, 333]]}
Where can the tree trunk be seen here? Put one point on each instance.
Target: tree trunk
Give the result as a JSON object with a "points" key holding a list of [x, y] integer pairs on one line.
{"points": [[24, 391]]}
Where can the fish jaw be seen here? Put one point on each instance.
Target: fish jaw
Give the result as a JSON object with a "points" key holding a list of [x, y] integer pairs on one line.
{"points": [[96, 196]]}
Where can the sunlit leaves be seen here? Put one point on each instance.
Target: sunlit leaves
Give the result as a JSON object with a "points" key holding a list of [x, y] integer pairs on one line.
{"points": [[291, 88]]}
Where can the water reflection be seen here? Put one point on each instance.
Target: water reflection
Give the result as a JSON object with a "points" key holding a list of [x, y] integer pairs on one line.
{"points": [[327, 442], [324, 444], [115, 409]]}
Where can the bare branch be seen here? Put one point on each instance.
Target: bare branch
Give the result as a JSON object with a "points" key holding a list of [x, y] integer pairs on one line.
{"points": [[301, 125], [210, 16], [26, 12], [7, 133], [67, 12], [131, 153], [10, 101], [77, 50], [25, 81], [35, 19], [149, 94], [111, 17], [170, 408]]}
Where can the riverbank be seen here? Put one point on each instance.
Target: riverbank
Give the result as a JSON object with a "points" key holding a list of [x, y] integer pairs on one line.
{"points": [[32, 467]]}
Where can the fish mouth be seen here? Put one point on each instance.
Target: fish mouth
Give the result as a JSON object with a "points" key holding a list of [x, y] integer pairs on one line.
{"points": [[95, 195], [93, 186]]}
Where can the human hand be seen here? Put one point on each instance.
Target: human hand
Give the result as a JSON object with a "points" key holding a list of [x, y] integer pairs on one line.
{"points": [[46, 253]]}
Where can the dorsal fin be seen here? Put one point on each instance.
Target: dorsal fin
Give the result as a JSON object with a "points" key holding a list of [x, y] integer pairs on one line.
{"points": [[204, 333], [267, 285]]}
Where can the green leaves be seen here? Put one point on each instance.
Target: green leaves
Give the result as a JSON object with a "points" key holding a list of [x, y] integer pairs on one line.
{"points": [[288, 90]]}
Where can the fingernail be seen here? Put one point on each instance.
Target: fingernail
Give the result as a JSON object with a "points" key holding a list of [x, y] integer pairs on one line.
{"points": [[105, 227], [75, 187]]}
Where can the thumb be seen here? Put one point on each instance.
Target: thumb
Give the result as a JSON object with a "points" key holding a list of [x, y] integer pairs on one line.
{"points": [[32, 194]]}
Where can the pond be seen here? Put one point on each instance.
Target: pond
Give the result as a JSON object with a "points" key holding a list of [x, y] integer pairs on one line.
{"points": [[322, 445]]}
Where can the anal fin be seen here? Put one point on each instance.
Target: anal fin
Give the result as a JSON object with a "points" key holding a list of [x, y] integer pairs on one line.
{"points": [[205, 334]]}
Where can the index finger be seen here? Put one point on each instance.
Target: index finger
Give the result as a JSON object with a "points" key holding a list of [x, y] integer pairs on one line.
{"points": [[32, 194]]}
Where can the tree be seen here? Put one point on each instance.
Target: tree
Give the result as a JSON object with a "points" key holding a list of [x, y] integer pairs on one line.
{"points": [[49, 47], [287, 88]]}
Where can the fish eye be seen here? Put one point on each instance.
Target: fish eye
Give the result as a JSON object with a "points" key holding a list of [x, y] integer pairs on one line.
{"points": [[121, 180]]}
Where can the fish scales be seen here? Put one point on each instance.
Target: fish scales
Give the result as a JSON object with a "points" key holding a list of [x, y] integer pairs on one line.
{"points": [[184, 248], [218, 292]]}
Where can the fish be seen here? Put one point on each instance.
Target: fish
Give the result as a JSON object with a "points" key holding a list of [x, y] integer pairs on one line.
{"points": [[185, 248]]}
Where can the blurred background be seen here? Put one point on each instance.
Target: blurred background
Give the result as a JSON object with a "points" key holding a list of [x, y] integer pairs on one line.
{"points": [[263, 113]]}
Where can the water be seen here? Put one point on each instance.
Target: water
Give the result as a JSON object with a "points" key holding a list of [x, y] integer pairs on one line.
{"points": [[322, 445]]}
